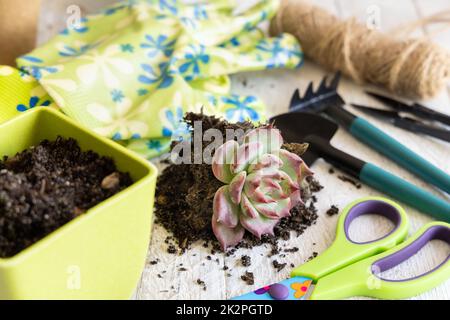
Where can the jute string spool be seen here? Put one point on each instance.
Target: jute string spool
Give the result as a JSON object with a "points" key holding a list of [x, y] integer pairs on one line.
{"points": [[417, 68]]}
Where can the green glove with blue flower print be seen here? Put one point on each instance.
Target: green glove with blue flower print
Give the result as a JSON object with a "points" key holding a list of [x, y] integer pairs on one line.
{"points": [[130, 72], [20, 92]]}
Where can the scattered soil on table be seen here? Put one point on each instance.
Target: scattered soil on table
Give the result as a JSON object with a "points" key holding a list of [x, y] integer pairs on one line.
{"points": [[334, 210], [202, 284], [248, 278], [354, 182], [312, 256], [246, 261], [48, 185], [154, 262], [278, 266]]}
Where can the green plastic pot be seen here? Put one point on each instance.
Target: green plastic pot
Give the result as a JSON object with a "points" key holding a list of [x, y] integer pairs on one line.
{"points": [[98, 255]]}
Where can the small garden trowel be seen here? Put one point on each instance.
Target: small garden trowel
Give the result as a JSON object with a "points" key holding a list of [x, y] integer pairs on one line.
{"points": [[317, 131]]}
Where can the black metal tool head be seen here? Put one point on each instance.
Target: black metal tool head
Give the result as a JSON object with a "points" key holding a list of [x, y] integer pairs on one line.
{"points": [[325, 96], [297, 126]]}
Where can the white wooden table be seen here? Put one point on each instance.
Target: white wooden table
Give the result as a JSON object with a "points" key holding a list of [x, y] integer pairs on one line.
{"points": [[276, 87]]}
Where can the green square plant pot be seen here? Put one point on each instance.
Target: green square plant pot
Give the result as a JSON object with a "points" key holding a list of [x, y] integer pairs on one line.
{"points": [[98, 255]]}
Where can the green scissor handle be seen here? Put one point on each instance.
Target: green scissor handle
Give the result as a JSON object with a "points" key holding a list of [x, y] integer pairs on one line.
{"points": [[364, 277], [344, 251]]}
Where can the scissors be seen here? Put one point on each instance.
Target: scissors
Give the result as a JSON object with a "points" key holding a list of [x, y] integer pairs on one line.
{"points": [[348, 268], [406, 122]]}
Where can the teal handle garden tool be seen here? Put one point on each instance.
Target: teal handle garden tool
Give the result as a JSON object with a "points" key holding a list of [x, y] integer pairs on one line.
{"points": [[318, 131], [349, 268], [405, 191], [328, 101], [396, 151]]}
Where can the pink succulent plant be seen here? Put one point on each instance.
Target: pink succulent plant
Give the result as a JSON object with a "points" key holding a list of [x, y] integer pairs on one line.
{"points": [[262, 185]]}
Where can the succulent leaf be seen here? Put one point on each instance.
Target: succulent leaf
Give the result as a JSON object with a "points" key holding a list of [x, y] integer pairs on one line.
{"points": [[223, 157], [295, 198], [259, 225], [247, 208], [226, 212], [236, 187], [269, 137], [245, 155], [268, 162], [263, 185], [254, 191], [275, 210], [291, 164], [227, 236], [305, 171]]}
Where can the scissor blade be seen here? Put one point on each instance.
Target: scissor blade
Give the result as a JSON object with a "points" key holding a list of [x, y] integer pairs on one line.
{"points": [[295, 288], [431, 114], [419, 127], [415, 108], [406, 123], [385, 114], [397, 105]]}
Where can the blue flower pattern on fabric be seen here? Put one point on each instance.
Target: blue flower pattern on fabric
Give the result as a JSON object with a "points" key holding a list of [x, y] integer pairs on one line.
{"points": [[68, 51], [116, 136], [128, 4], [200, 12], [168, 5], [34, 102], [153, 144], [32, 59], [163, 77], [212, 99], [126, 47], [241, 110], [37, 71], [279, 53], [191, 68], [81, 28], [160, 44], [117, 95], [173, 124], [142, 92]]}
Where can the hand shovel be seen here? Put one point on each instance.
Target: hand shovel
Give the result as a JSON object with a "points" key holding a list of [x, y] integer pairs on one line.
{"points": [[318, 131]]}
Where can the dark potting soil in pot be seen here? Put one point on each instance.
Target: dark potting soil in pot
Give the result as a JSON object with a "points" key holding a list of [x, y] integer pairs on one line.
{"points": [[185, 192], [46, 186]]}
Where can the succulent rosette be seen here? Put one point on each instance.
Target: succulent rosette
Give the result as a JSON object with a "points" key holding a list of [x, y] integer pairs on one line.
{"points": [[262, 185]]}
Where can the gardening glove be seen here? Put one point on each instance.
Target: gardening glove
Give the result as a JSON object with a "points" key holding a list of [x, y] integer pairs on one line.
{"points": [[20, 92], [131, 72]]}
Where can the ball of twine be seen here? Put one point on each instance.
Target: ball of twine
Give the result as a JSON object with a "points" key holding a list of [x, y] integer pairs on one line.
{"points": [[417, 68]]}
